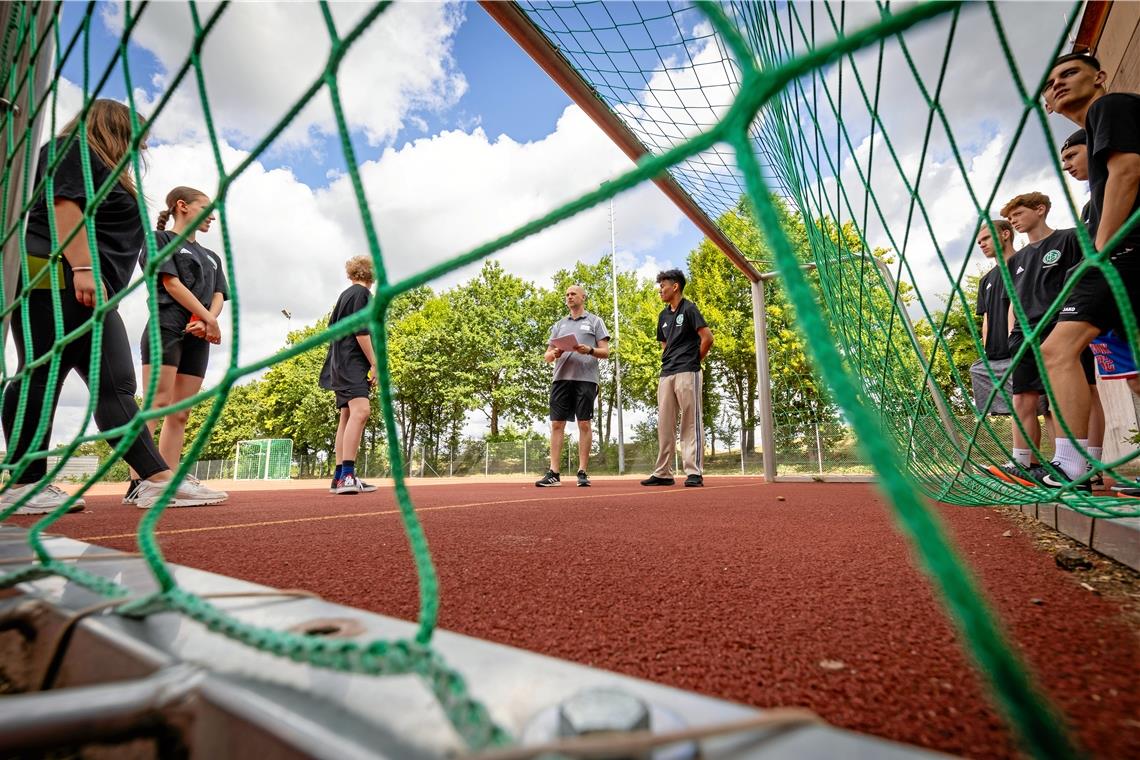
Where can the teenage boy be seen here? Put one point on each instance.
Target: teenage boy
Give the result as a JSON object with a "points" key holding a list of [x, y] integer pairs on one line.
{"points": [[575, 386], [685, 341], [1039, 271], [1114, 360], [993, 308], [350, 372], [1075, 89]]}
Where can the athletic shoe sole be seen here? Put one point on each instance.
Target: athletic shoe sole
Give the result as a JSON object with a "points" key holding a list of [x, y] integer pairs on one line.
{"points": [[176, 503], [347, 491], [45, 510], [1001, 474]]}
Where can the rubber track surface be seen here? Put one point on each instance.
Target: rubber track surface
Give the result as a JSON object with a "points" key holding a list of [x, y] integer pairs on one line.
{"points": [[725, 590]]}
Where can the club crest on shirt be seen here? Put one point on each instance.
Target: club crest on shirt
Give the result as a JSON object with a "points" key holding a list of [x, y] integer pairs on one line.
{"points": [[1051, 258], [680, 319]]}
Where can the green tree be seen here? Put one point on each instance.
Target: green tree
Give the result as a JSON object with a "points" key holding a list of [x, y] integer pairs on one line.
{"points": [[500, 323], [240, 420]]}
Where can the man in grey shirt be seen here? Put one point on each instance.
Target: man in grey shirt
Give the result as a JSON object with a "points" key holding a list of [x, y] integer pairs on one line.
{"points": [[575, 381]]}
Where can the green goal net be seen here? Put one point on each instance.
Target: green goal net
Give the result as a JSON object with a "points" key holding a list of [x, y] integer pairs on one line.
{"points": [[266, 459], [772, 110]]}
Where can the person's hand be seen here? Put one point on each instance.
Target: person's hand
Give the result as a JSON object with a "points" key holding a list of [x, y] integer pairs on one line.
{"points": [[213, 330], [196, 327], [582, 348], [373, 374], [84, 284], [557, 352]]}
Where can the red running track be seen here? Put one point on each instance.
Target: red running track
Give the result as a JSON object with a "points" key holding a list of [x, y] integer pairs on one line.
{"points": [[725, 590]]}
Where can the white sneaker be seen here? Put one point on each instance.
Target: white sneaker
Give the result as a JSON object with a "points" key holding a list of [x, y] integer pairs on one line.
{"points": [[47, 500], [349, 484], [190, 493]]}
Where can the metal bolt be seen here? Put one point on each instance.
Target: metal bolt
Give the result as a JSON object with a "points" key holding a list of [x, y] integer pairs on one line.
{"points": [[602, 710]]}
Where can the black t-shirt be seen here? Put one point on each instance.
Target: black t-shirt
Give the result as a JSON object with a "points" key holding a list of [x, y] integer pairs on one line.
{"points": [[994, 303], [199, 269], [346, 365], [1040, 269], [678, 331], [118, 228], [1112, 125]]}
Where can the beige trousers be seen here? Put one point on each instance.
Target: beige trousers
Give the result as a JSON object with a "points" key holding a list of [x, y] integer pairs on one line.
{"points": [[679, 393]]}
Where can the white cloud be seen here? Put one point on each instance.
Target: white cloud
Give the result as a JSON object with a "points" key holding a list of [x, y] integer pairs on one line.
{"points": [[442, 196], [261, 57]]}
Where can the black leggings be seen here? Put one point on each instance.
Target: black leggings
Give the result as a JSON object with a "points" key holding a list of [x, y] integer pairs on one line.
{"points": [[117, 385]]}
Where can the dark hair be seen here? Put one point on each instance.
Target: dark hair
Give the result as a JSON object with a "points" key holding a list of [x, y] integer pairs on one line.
{"points": [[673, 275], [1086, 58], [180, 193], [1077, 138]]}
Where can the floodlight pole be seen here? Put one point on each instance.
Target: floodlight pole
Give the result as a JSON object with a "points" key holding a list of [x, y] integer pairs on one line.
{"points": [[617, 357], [763, 381]]}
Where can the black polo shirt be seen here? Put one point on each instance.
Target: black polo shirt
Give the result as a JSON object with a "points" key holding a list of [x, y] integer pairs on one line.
{"points": [[994, 304], [118, 227], [346, 365], [1040, 269], [678, 331], [1113, 126], [199, 269]]}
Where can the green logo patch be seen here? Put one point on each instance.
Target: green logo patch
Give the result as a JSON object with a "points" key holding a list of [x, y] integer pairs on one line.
{"points": [[1052, 257]]}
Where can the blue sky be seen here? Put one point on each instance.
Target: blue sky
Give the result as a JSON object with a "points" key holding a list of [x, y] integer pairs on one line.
{"points": [[507, 94]]}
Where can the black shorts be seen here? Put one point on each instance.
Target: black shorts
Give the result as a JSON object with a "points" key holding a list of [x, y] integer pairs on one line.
{"points": [[1092, 301], [348, 394], [572, 399], [1026, 377], [189, 353]]}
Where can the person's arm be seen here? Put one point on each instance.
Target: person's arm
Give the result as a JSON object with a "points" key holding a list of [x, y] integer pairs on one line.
{"points": [[68, 217], [365, 343], [217, 303], [1119, 194], [706, 337], [600, 351], [552, 353], [1009, 318], [182, 295], [985, 328]]}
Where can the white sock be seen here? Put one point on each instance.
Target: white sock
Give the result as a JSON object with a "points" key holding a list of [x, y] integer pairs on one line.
{"points": [[1094, 453], [1068, 458], [1021, 456]]}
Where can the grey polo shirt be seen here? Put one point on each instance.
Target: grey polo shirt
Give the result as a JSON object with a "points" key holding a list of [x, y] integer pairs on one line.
{"points": [[590, 330]]}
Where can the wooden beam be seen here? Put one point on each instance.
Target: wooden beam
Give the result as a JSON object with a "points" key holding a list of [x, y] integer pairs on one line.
{"points": [[531, 39], [1093, 18]]}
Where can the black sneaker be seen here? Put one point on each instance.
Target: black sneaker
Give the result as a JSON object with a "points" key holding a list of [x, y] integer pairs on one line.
{"points": [[653, 480], [1096, 482], [1012, 472], [333, 485], [549, 480], [583, 479], [348, 485], [366, 487], [1126, 491], [694, 481], [1060, 480], [130, 496]]}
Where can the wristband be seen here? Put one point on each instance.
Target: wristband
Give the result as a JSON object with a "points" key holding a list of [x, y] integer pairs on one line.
{"points": [[81, 269], [591, 350]]}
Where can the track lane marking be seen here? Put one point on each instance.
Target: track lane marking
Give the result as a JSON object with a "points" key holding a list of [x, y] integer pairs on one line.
{"points": [[382, 513]]}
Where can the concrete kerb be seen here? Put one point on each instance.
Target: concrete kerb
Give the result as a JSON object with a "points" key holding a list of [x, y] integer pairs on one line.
{"points": [[1118, 539]]}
